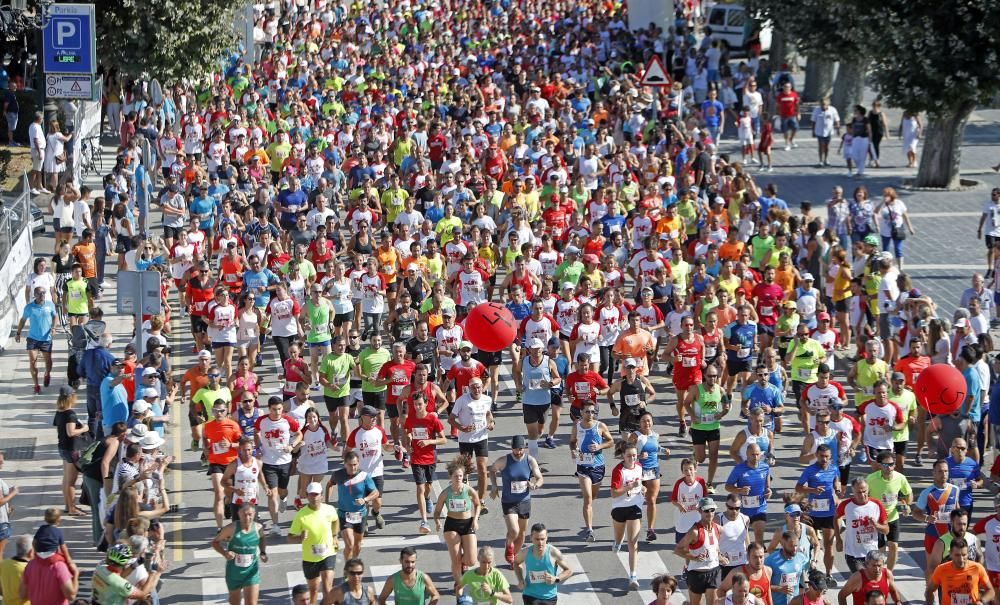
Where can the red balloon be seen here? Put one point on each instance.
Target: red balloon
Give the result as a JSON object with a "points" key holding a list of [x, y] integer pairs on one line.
{"points": [[490, 327], [940, 389]]}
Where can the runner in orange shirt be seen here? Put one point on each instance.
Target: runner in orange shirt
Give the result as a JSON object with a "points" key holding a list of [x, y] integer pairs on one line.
{"points": [[222, 437], [962, 582], [636, 343]]}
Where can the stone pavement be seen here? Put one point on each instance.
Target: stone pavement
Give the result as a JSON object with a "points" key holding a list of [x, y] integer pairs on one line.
{"points": [[941, 257]]}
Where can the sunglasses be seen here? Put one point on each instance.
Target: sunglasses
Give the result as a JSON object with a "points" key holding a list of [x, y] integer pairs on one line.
{"points": [[248, 401], [733, 507], [214, 375], [356, 573]]}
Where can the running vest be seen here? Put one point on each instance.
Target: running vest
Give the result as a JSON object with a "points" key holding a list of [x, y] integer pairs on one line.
{"points": [[531, 379], [708, 408], [535, 585], [515, 475]]}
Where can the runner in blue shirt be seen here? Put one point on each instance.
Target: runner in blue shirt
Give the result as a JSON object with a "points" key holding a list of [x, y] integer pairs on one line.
{"points": [[40, 315], [751, 480], [788, 570], [740, 341], [964, 472], [763, 394], [821, 481]]}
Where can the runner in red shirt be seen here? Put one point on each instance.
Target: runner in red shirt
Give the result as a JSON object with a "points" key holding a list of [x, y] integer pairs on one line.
{"points": [[788, 109], [584, 386], [767, 295], [396, 374], [422, 433], [465, 369]]}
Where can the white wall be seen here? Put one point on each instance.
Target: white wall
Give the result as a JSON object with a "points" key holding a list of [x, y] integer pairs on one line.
{"points": [[643, 12]]}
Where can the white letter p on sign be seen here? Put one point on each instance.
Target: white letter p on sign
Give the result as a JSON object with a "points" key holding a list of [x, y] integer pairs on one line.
{"points": [[65, 32]]}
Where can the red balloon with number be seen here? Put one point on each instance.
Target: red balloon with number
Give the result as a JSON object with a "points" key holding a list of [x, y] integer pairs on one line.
{"points": [[490, 327], [940, 389]]}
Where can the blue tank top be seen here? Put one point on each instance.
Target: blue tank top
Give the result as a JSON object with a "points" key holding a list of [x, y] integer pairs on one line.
{"points": [[588, 436], [531, 377], [805, 546], [649, 445], [832, 442], [515, 480], [534, 581]]}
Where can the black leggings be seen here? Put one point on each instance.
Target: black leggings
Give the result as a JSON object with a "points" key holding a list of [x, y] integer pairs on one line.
{"points": [[282, 343], [608, 363]]}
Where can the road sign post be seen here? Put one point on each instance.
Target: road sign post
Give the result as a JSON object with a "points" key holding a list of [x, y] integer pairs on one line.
{"points": [[69, 53], [655, 76], [138, 295]]}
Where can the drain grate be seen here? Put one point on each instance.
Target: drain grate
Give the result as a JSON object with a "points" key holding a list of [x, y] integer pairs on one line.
{"points": [[18, 449]]}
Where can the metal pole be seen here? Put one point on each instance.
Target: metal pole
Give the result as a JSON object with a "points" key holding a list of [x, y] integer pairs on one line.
{"points": [[138, 318]]}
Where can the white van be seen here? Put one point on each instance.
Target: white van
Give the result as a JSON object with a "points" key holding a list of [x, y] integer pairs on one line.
{"points": [[731, 24]]}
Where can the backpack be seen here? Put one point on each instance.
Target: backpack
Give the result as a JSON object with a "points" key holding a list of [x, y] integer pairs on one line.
{"points": [[85, 457]]}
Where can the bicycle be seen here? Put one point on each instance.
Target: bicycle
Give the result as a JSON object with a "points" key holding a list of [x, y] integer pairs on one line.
{"points": [[90, 156]]}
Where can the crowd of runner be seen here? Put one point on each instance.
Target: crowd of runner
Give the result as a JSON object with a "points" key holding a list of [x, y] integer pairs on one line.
{"points": [[349, 195]]}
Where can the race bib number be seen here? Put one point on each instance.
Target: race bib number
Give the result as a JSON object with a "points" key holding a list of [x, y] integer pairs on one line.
{"points": [[960, 599], [889, 500], [711, 351], [789, 579], [458, 505], [243, 560], [735, 558], [586, 458], [943, 516], [707, 418], [743, 352], [535, 385], [537, 577], [581, 388], [419, 433], [316, 448], [353, 517], [750, 501], [877, 431], [689, 362], [803, 373], [767, 311], [319, 550], [518, 487], [220, 448], [820, 505], [290, 385], [397, 389], [648, 474], [632, 400], [249, 490]]}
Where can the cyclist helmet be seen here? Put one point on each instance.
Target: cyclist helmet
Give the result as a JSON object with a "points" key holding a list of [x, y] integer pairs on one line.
{"points": [[120, 554]]}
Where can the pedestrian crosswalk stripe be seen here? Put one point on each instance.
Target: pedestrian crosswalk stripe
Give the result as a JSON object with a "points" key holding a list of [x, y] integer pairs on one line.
{"points": [[214, 591], [373, 542], [379, 575], [648, 565], [577, 589]]}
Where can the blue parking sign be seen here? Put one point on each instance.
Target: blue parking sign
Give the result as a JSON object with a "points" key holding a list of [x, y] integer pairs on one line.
{"points": [[68, 41]]}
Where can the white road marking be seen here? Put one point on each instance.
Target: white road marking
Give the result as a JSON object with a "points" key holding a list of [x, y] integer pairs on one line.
{"points": [[372, 542], [577, 589], [648, 565]]}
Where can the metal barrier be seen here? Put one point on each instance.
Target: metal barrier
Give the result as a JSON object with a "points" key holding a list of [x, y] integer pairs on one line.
{"points": [[15, 258]]}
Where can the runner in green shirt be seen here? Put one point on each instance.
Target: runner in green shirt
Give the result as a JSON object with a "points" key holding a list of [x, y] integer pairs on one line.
{"points": [[804, 356], [706, 415], [335, 375], [76, 302], [318, 314], [892, 489], [902, 396], [108, 584], [484, 582], [370, 361], [408, 585], [316, 526]]}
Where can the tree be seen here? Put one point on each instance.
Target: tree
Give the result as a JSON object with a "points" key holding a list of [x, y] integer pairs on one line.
{"points": [[937, 56], [166, 39], [822, 30]]}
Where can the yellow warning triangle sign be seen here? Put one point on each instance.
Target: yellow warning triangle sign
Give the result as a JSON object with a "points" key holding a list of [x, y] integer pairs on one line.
{"points": [[655, 74]]}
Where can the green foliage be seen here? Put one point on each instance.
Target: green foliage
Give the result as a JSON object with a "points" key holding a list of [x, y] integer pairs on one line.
{"points": [[166, 39], [819, 28], [933, 55]]}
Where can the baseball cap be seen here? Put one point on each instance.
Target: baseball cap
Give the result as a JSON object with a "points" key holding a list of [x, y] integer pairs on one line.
{"points": [[808, 277], [150, 393], [66, 390], [536, 343], [572, 250], [149, 372], [140, 407], [314, 488], [47, 540], [630, 363], [871, 240], [204, 354], [448, 311], [824, 316], [117, 362], [568, 286], [898, 376], [518, 442], [836, 403], [706, 504], [465, 345], [961, 322], [793, 508], [369, 411]]}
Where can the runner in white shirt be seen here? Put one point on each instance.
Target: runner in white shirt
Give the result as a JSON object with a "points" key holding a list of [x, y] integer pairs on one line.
{"points": [[276, 434], [472, 415], [371, 442], [879, 417], [864, 519]]}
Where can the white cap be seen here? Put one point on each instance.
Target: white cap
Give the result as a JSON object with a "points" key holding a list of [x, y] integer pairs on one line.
{"points": [[152, 371], [204, 354], [568, 286], [314, 488], [150, 392], [961, 322], [572, 250], [140, 407], [808, 277], [151, 440], [536, 343]]}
